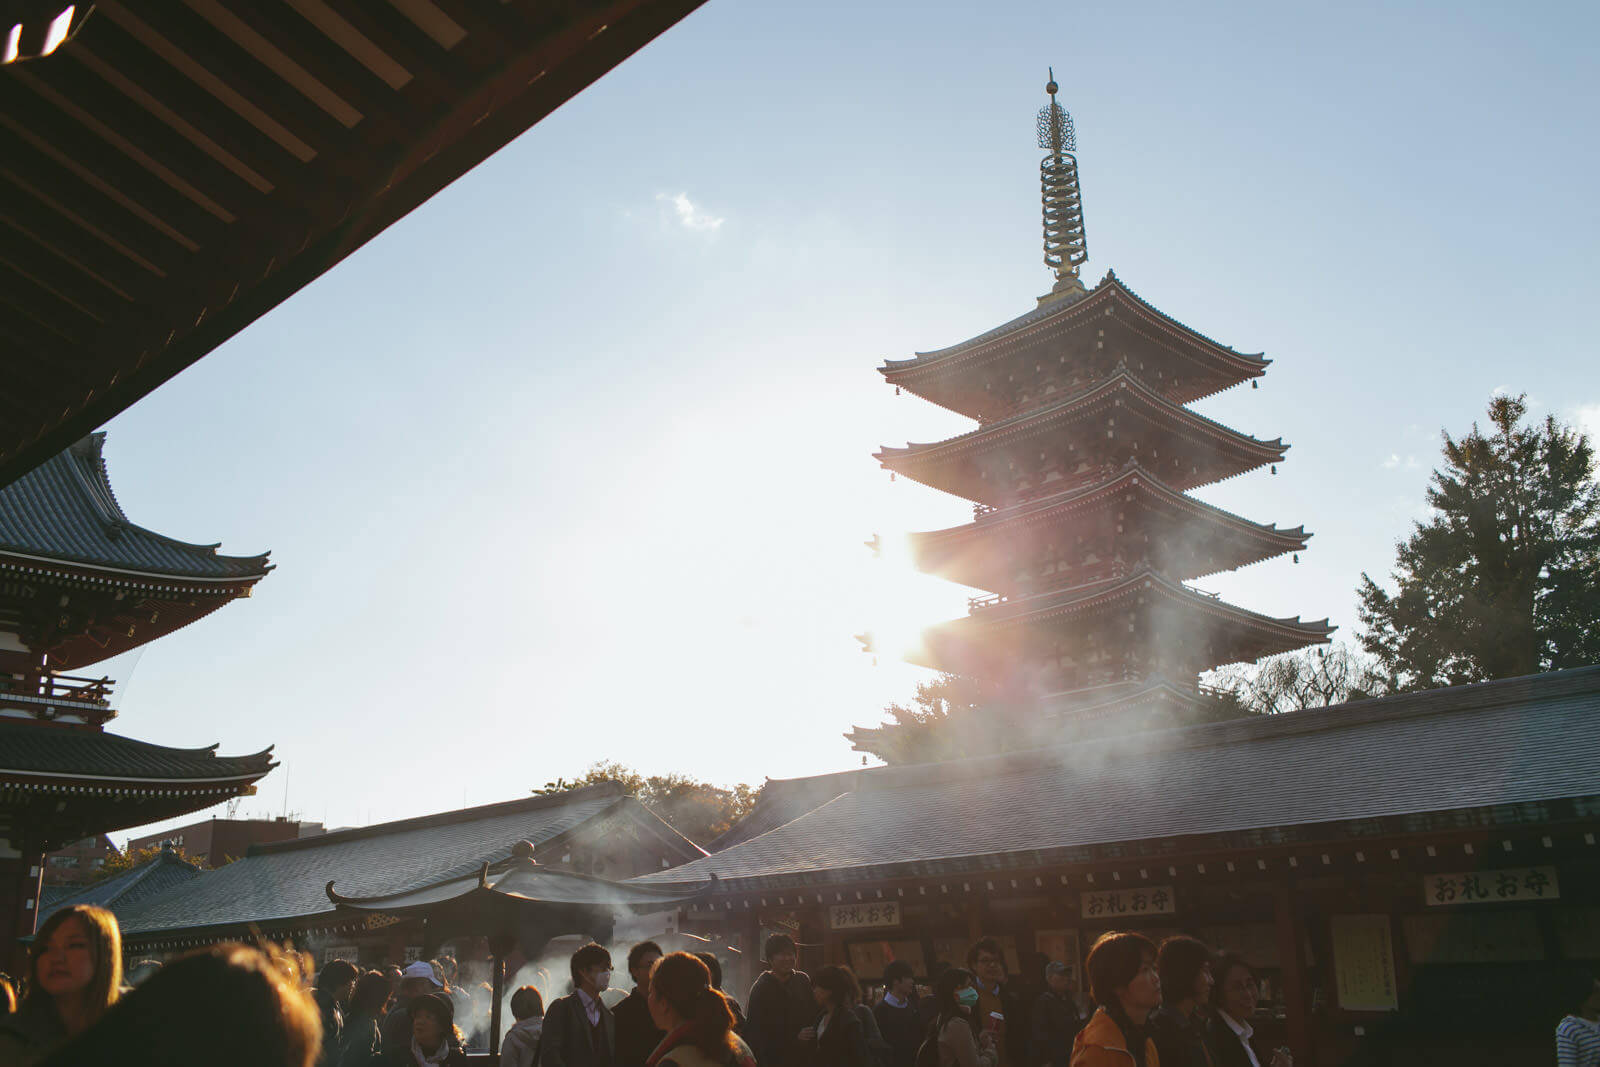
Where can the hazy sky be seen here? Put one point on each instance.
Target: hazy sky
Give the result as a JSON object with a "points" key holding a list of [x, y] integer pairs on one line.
{"points": [[575, 462]]}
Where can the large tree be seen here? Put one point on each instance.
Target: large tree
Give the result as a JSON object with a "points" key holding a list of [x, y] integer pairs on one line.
{"points": [[698, 810], [1504, 578], [942, 721], [1295, 681]]}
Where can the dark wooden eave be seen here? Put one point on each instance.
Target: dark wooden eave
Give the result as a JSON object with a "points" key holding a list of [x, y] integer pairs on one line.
{"points": [[180, 167]]}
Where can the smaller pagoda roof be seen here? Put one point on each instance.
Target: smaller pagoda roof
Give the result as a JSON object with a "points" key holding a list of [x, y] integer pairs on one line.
{"points": [[64, 511], [30, 751], [1110, 290], [1257, 541]]}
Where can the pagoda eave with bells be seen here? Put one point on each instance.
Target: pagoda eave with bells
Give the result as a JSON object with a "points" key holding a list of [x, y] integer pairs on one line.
{"points": [[1083, 533]]}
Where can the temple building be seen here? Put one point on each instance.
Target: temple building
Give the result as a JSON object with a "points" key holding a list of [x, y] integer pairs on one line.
{"points": [[80, 583], [1083, 531]]}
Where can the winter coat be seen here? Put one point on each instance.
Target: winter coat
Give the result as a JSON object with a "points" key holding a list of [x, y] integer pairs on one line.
{"points": [[959, 1048], [403, 1057], [361, 1044], [1226, 1048], [686, 1055], [1180, 1039], [776, 1013], [637, 1034], [332, 1027], [902, 1030], [27, 1036], [1102, 1044], [1054, 1024], [565, 1041], [842, 1044], [871, 1037], [520, 1046]]}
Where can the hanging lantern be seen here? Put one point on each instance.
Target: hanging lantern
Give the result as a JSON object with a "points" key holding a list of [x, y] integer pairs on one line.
{"points": [[1254, 384], [1274, 468]]}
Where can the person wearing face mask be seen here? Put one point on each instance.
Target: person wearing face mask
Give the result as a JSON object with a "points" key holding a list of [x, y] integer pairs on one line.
{"points": [[75, 972], [1179, 1025], [1126, 989], [579, 1030], [955, 1034]]}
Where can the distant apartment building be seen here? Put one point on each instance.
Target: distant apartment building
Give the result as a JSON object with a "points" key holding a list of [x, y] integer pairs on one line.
{"points": [[213, 842], [79, 862]]}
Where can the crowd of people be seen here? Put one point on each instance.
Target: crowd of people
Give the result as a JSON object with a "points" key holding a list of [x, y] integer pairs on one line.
{"points": [[1176, 1005]]}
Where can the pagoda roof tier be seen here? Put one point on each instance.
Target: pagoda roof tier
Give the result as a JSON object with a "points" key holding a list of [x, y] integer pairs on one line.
{"points": [[966, 553], [956, 646], [61, 527], [1193, 365], [64, 511], [62, 783], [1213, 452]]}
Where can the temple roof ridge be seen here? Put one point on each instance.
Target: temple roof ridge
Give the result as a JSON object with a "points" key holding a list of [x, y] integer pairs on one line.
{"points": [[65, 510]]}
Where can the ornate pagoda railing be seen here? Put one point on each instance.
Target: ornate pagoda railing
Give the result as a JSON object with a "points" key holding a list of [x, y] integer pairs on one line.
{"points": [[52, 690]]}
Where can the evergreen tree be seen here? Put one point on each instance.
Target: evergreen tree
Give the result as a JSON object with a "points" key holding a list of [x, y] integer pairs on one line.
{"points": [[1504, 579]]}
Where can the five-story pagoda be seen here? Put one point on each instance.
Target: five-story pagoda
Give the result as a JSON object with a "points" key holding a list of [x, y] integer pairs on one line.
{"points": [[1079, 470]]}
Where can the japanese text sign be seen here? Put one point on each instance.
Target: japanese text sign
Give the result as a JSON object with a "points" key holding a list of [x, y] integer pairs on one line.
{"points": [[1128, 903], [864, 916], [1491, 887]]}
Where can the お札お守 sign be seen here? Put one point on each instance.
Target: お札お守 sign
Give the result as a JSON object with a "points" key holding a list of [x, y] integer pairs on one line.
{"points": [[877, 916], [1491, 887], [1128, 903]]}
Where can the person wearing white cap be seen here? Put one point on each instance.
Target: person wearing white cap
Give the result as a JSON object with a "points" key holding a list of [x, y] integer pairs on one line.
{"points": [[417, 979]]}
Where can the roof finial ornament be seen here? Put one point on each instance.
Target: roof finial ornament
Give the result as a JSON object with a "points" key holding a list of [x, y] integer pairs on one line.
{"points": [[1065, 248]]}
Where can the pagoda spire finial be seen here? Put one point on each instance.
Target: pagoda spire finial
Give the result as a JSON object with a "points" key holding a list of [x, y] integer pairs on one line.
{"points": [[1065, 247]]}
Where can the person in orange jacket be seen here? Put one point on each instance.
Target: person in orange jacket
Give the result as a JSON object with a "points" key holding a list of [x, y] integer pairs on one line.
{"points": [[1127, 988]]}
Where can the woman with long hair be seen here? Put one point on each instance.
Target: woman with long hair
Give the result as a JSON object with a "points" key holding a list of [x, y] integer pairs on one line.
{"points": [[955, 998], [696, 1018], [837, 1039], [74, 975], [362, 1042], [231, 1003]]}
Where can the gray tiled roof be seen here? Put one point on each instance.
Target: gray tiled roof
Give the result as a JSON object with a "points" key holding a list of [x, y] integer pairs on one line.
{"points": [[1049, 310], [1516, 741], [26, 748], [128, 888], [64, 509], [286, 880]]}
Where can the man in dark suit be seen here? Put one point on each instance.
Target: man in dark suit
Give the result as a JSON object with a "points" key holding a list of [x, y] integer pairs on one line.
{"points": [[637, 1034], [1233, 1042], [579, 1030]]}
